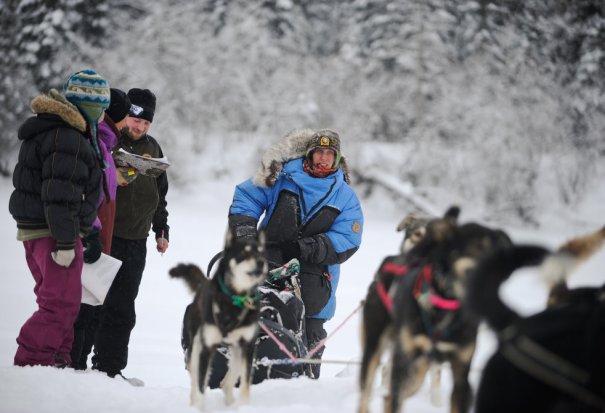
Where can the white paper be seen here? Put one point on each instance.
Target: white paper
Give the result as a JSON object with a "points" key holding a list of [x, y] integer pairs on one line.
{"points": [[88, 298], [97, 278]]}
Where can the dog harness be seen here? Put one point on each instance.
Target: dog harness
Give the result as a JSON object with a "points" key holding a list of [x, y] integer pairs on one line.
{"points": [[438, 314], [548, 367], [423, 293], [383, 294]]}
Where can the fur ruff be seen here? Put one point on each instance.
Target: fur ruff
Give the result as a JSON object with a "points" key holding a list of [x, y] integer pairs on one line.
{"points": [[292, 146], [60, 107]]}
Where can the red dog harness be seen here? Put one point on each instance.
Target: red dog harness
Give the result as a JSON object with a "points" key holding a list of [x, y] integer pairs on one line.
{"points": [[389, 268], [422, 291]]}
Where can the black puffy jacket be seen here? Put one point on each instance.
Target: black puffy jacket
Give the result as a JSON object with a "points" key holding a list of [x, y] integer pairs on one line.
{"points": [[57, 178]]}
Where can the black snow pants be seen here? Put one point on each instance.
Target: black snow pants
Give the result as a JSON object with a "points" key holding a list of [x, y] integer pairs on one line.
{"points": [[118, 316], [85, 330]]}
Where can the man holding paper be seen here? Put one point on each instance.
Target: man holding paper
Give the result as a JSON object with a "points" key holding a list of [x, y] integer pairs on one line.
{"points": [[140, 206]]}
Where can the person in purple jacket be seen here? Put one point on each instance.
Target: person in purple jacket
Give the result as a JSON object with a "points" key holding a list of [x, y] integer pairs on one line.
{"points": [[110, 131], [99, 239]]}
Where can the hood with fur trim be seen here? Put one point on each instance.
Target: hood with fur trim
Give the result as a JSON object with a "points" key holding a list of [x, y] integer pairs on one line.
{"points": [[54, 103], [291, 146]]}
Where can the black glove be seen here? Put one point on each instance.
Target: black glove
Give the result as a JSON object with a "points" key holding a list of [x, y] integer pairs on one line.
{"points": [[242, 227], [290, 250], [92, 246]]}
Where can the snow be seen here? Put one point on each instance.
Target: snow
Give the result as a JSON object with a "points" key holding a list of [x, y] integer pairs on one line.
{"points": [[198, 218]]}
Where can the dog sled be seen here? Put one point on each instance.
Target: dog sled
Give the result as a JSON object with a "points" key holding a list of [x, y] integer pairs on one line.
{"points": [[282, 314]]}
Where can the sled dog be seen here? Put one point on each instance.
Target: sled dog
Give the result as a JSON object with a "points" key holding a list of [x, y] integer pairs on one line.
{"points": [[376, 321], [424, 307], [414, 228], [552, 361], [224, 311]]}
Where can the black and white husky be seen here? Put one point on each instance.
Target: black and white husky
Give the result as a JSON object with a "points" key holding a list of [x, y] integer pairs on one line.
{"points": [[224, 311]]}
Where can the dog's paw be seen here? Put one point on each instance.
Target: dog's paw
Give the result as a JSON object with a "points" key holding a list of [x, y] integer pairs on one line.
{"points": [[197, 400], [200, 404], [229, 399], [244, 394]]}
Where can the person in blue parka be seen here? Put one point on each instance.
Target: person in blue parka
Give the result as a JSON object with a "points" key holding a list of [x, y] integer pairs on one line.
{"points": [[310, 213]]}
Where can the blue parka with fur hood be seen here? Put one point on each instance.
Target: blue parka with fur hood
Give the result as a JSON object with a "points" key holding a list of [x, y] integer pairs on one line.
{"points": [[319, 218]]}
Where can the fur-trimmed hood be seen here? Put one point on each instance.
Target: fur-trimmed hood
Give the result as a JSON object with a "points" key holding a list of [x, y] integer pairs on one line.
{"points": [[291, 146], [55, 104]]}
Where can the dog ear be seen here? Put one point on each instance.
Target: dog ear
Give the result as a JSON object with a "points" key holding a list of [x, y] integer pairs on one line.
{"points": [[443, 228], [228, 237], [502, 240], [452, 214], [440, 229], [406, 222]]}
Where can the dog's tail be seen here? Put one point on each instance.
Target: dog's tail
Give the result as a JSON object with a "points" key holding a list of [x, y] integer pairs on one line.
{"points": [[191, 273], [484, 283], [557, 268]]}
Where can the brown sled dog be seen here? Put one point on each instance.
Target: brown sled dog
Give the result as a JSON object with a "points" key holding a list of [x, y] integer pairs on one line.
{"points": [[425, 323], [552, 361], [374, 339], [414, 229], [224, 312]]}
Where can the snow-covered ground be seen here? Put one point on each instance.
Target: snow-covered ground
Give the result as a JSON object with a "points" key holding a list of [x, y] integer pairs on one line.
{"points": [[198, 220]]}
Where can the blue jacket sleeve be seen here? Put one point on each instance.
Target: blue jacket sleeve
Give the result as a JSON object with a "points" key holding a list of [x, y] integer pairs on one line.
{"points": [[345, 234], [249, 200]]}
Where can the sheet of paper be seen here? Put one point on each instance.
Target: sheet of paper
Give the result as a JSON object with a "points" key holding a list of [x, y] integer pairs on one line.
{"points": [[97, 278]]}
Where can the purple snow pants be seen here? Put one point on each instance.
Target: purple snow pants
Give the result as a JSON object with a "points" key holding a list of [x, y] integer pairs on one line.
{"points": [[46, 337]]}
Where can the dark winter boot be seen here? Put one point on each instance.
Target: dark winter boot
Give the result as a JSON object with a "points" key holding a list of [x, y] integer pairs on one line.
{"points": [[315, 334], [62, 360], [84, 330]]}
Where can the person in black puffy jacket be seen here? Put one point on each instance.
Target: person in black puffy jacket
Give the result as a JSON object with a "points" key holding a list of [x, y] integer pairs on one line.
{"points": [[57, 183]]}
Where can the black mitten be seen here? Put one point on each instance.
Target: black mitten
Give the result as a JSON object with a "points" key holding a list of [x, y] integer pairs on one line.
{"points": [[290, 250], [242, 227], [93, 247]]}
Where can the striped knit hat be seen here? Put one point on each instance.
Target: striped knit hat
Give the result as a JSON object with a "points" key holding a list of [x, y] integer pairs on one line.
{"points": [[89, 92]]}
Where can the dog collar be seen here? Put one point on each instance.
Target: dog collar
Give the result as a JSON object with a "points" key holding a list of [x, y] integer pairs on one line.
{"points": [[240, 301]]}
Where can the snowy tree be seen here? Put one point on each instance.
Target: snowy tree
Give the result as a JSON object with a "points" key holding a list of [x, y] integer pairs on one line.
{"points": [[481, 100], [41, 41]]}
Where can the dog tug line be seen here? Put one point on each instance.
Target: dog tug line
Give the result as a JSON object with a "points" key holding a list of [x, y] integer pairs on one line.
{"points": [[308, 360]]}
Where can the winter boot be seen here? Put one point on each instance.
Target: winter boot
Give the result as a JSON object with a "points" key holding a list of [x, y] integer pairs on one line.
{"points": [[315, 334]]}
